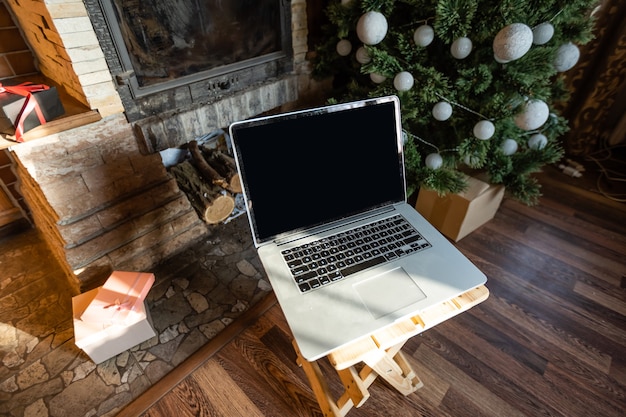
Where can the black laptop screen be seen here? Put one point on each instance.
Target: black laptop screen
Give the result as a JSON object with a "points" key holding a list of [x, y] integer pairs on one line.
{"points": [[303, 169]]}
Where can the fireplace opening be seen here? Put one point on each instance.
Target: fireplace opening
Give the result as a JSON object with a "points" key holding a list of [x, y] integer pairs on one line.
{"points": [[167, 55]]}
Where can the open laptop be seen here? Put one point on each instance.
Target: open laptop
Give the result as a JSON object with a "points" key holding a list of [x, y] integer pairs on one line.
{"points": [[326, 200]]}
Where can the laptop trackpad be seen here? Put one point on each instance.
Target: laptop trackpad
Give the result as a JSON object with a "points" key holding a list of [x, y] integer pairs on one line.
{"points": [[389, 292]]}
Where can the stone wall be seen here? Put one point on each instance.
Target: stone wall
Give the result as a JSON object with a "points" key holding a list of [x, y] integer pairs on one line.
{"points": [[103, 208]]}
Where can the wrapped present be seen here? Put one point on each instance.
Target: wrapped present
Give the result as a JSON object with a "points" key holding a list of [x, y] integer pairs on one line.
{"points": [[122, 293], [101, 342], [457, 215], [26, 106]]}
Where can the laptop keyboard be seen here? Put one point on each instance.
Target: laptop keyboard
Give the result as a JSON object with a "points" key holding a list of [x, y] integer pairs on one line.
{"points": [[333, 258]]}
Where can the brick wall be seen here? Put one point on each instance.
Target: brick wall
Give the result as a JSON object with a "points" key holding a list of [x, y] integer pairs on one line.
{"points": [[60, 35]]}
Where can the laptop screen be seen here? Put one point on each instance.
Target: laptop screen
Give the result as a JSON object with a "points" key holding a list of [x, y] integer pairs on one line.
{"points": [[303, 169]]}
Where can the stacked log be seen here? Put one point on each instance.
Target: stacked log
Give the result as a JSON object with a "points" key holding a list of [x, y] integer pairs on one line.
{"points": [[210, 180]]}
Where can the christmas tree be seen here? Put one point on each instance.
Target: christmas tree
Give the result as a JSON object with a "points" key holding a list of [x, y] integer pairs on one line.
{"points": [[478, 81]]}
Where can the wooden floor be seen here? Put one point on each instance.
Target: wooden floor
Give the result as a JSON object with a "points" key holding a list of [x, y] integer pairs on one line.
{"points": [[549, 341]]}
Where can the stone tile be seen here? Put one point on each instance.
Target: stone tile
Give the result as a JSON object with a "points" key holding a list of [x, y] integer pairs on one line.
{"points": [[197, 293]]}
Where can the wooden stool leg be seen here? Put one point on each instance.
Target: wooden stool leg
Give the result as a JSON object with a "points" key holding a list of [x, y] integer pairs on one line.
{"points": [[392, 366], [318, 383]]}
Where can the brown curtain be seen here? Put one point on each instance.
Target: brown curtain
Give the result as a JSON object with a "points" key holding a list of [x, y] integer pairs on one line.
{"points": [[597, 109]]}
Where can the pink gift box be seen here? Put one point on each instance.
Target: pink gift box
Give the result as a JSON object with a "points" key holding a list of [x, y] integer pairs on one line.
{"points": [[121, 294], [101, 342]]}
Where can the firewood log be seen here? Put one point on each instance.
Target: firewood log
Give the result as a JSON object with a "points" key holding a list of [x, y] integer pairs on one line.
{"points": [[212, 203], [207, 171], [225, 166]]}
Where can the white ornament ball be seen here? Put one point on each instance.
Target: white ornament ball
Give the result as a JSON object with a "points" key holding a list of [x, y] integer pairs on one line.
{"points": [[434, 161], [362, 56], [461, 48], [371, 28], [403, 81], [512, 42], [534, 114], [471, 160], [566, 57], [484, 129], [377, 78], [424, 35], [344, 47], [537, 141], [508, 147], [542, 33], [442, 111]]}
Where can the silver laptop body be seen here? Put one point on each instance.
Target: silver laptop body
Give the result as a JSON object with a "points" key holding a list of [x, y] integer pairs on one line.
{"points": [[311, 175]]}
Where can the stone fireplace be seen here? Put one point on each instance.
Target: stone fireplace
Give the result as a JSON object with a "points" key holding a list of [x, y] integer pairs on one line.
{"points": [[97, 189]]}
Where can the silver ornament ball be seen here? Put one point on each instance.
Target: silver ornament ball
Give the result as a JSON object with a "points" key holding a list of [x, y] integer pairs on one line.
{"points": [[512, 42], [461, 48], [377, 78], [403, 81], [533, 115], [344, 47], [537, 141], [434, 161], [362, 56], [372, 28], [484, 129], [566, 57], [542, 33], [424, 35], [442, 111], [508, 147]]}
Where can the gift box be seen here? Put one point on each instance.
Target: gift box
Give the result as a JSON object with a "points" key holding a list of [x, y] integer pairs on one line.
{"points": [[26, 106], [101, 342], [457, 215], [122, 293]]}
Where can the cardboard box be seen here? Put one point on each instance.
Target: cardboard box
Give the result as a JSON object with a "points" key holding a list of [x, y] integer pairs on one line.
{"points": [[122, 293], [102, 342], [457, 215], [11, 105]]}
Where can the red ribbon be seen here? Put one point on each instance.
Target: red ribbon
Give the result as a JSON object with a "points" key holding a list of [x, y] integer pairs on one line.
{"points": [[30, 104]]}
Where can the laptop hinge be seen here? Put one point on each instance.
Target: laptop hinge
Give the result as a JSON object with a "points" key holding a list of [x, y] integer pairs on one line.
{"points": [[333, 225]]}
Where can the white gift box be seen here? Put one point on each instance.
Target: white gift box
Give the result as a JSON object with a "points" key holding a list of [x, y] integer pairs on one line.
{"points": [[103, 341]]}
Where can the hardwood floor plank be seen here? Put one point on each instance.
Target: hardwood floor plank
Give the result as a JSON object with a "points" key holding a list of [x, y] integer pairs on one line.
{"points": [[483, 399], [602, 297], [549, 341], [223, 393]]}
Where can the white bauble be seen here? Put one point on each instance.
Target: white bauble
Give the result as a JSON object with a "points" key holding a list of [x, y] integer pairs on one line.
{"points": [[508, 147], [371, 28], [344, 47], [537, 141], [512, 42], [461, 48], [542, 33], [362, 56], [566, 57], [484, 129], [442, 111], [471, 161], [534, 114], [434, 161], [424, 35], [403, 81], [377, 78]]}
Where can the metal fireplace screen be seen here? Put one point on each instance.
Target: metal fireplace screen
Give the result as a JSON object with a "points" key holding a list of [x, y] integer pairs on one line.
{"points": [[163, 44]]}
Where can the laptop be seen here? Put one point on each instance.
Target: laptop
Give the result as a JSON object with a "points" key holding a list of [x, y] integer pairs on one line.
{"points": [[345, 254]]}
